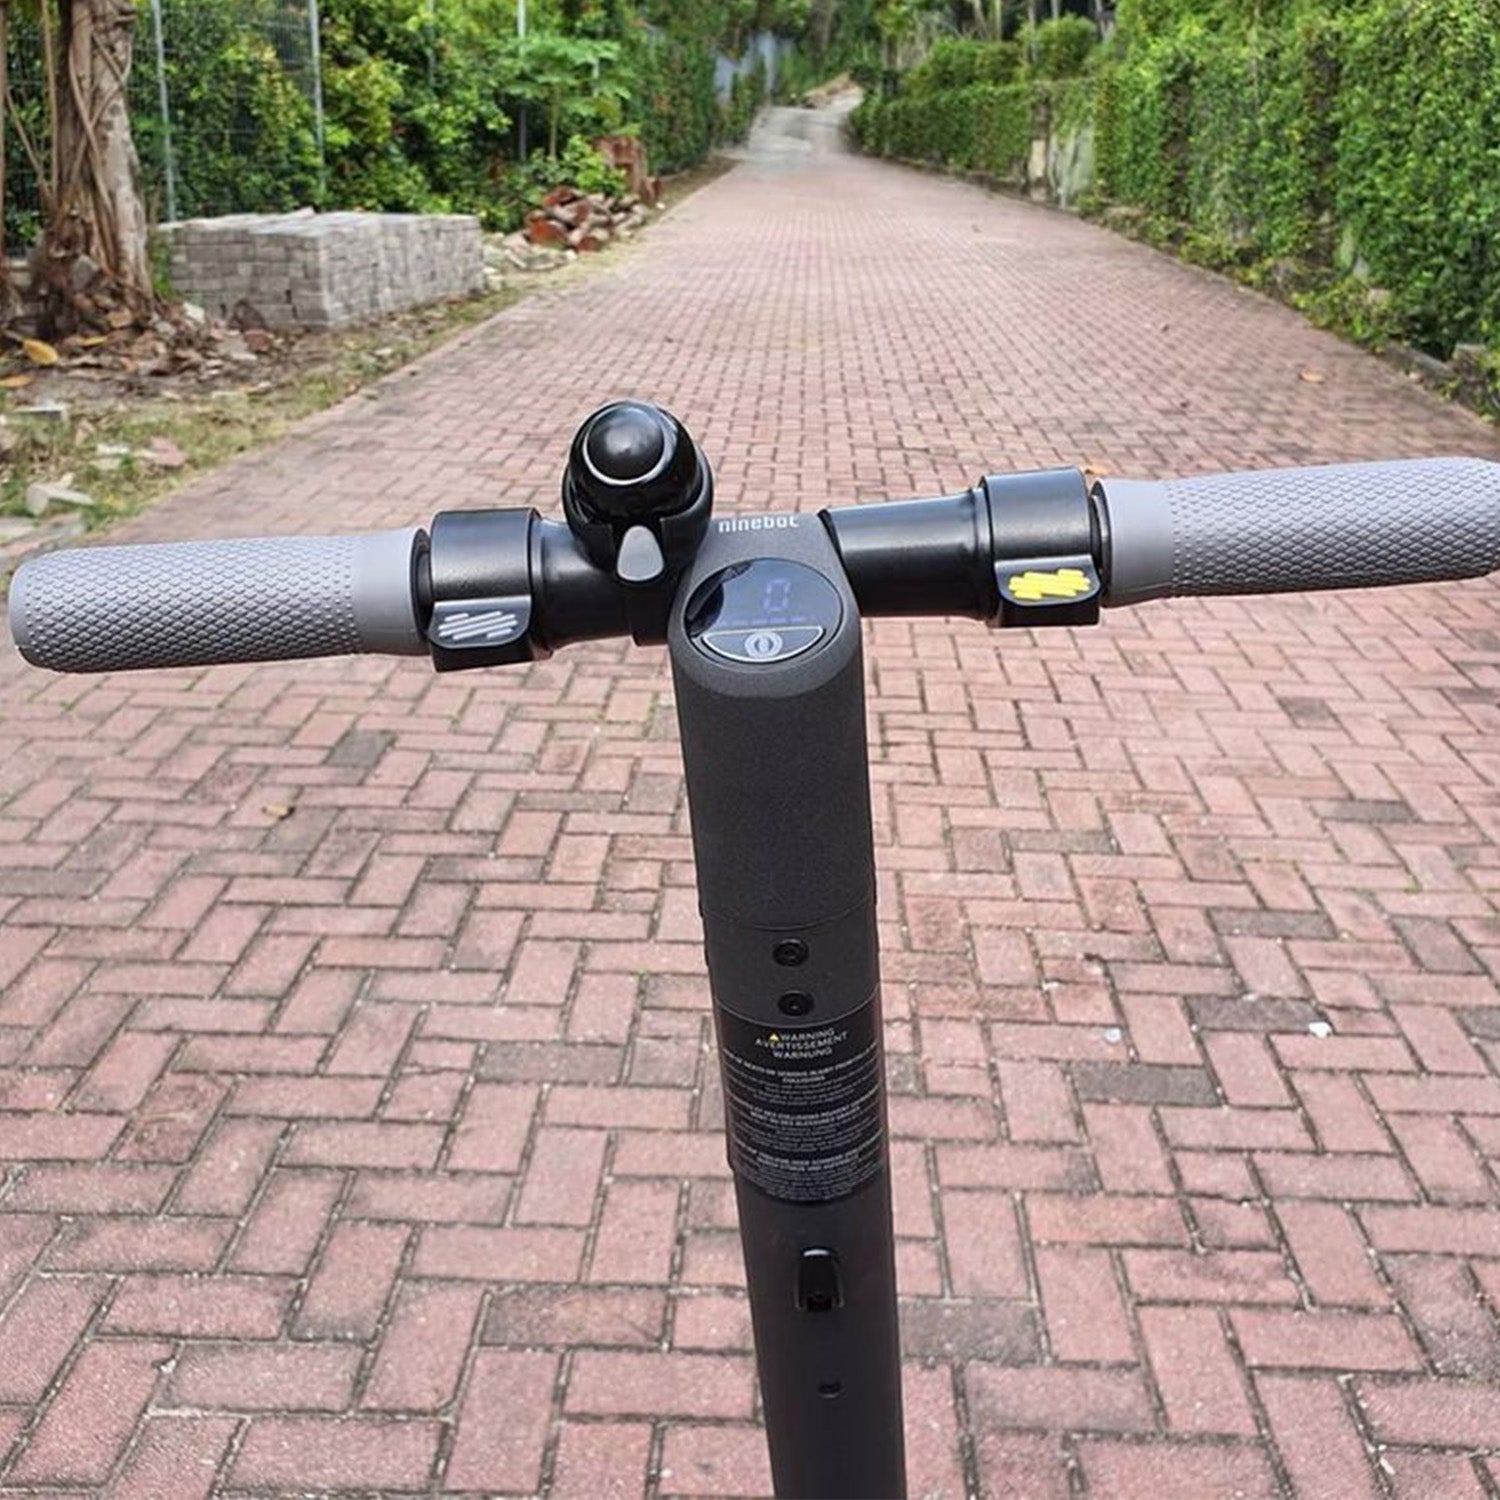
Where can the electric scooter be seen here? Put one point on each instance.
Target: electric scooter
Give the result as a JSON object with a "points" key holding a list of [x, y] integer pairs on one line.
{"points": [[761, 617]]}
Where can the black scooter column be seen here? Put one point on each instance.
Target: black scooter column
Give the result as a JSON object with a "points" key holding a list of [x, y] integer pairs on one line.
{"points": [[766, 655]]}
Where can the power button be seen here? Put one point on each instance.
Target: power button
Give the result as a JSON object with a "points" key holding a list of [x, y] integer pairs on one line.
{"points": [[762, 645]]}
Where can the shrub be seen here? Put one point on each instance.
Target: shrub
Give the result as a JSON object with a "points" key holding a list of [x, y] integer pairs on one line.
{"points": [[1416, 162], [1060, 48], [746, 95], [243, 135], [956, 63], [675, 103], [797, 72], [970, 106], [985, 127]]}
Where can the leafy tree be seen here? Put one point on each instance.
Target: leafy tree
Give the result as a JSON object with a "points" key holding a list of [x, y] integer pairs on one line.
{"points": [[569, 76]]}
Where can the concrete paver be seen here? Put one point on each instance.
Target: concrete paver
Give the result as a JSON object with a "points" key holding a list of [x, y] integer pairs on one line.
{"points": [[376, 1146]]}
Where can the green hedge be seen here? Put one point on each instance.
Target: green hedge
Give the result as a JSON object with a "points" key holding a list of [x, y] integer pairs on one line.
{"points": [[1349, 147], [956, 62], [747, 93], [1061, 48], [985, 127], [977, 106], [1418, 184], [677, 104], [1360, 139]]}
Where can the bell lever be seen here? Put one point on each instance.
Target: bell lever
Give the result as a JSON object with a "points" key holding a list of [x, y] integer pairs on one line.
{"points": [[482, 600]]}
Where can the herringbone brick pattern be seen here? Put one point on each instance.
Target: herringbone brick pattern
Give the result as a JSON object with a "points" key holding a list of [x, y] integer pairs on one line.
{"points": [[358, 1120]]}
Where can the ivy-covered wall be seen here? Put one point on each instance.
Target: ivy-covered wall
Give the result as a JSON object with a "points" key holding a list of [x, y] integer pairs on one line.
{"points": [[1359, 139]]}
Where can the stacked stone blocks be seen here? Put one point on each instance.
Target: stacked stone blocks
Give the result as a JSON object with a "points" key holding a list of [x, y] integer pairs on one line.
{"points": [[320, 271]]}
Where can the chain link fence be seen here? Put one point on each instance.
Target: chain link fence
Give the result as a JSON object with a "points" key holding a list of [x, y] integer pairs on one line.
{"points": [[226, 100], [27, 87]]}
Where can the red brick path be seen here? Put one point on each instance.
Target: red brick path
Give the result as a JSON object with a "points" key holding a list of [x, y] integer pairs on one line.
{"points": [[376, 1146]]}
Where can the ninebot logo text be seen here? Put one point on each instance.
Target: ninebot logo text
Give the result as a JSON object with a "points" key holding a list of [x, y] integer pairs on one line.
{"points": [[759, 523]]}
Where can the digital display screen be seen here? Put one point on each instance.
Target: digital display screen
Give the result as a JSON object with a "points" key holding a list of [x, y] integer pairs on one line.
{"points": [[766, 593]]}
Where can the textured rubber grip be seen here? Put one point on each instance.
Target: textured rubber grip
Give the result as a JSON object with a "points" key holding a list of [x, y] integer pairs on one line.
{"points": [[1277, 530], [191, 604]]}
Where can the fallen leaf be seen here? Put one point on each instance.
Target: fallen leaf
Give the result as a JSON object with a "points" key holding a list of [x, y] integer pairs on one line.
{"points": [[1311, 377], [16, 382], [278, 810], [39, 352], [92, 341]]}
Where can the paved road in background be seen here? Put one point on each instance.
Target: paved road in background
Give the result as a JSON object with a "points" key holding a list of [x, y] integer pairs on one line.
{"points": [[376, 1144]]}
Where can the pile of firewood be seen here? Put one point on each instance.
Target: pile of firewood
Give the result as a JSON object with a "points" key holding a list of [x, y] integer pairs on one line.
{"points": [[572, 220]]}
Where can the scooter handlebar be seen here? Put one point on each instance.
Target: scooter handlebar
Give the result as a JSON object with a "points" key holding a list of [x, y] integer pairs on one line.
{"points": [[504, 586], [185, 604], [1281, 530]]}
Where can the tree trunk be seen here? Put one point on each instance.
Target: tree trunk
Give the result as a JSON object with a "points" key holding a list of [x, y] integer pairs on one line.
{"points": [[98, 216], [822, 27]]}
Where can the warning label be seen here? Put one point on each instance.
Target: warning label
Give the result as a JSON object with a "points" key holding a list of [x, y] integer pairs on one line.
{"points": [[803, 1104]]}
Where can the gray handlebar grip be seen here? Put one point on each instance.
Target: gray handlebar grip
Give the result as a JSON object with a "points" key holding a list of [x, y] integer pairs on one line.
{"points": [[192, 604], [1277, 530]]}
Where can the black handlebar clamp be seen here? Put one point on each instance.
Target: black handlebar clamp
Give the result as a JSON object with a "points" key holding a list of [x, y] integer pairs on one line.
{"points": [[482, 585], [1017, 549]]}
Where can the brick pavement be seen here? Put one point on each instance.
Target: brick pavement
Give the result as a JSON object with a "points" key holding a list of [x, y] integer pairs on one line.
{"points": [[377, 1147]]}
